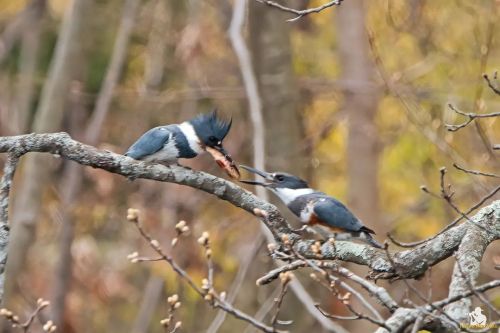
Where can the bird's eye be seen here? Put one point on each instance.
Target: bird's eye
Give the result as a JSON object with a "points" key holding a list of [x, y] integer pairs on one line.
{"points": [[280, 178], [213, 139]]}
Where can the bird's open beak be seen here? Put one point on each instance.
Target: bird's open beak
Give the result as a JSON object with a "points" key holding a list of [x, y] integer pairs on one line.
{"points": [[267, 176]]}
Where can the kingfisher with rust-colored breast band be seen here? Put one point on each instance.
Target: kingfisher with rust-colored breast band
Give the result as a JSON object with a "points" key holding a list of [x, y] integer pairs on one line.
{"points": [[313, 207]]}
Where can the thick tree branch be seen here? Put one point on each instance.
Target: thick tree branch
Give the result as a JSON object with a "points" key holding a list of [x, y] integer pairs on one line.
{"points": [[410, 263], [5, 185], [467, 266]]}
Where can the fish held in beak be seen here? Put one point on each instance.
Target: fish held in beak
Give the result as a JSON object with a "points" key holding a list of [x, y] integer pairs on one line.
{"points": [[225, 162]]}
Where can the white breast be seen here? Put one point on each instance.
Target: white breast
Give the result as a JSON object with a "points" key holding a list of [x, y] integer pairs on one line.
{"points": [[305, 214], [168, 153], [193, 140], [287, 195]]}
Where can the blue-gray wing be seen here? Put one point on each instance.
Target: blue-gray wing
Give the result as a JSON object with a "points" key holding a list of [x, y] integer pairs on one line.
{"points": [[149, 143], [333, 213]]}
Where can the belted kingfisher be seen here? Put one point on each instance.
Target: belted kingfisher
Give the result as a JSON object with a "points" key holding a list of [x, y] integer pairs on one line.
{"points": [[166, 144], [313, 207]]}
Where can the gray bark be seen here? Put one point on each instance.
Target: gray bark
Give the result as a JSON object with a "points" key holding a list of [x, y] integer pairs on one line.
{"points": [[410, 263], [405, 264]]}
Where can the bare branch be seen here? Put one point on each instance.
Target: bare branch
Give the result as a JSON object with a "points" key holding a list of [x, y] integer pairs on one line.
{"points": [[411, 263], [470, 115], [492, 86], [206, 292], [449, 226], [25, 326], [357, 315], [475, 172], [285, 280], [5, 185], [469, 255], [300, 13]]}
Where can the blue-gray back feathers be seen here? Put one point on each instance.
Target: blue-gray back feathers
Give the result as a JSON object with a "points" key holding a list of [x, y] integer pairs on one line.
{"points": [[149, 143], [334, 213], [156, 139]]}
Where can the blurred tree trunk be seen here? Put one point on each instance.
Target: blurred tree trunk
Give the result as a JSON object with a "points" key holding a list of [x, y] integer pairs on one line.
{"points": [[73, 175], [360, 104], [35, 173], [154, 67], [30, 45], [271, 52], [269, 41]]}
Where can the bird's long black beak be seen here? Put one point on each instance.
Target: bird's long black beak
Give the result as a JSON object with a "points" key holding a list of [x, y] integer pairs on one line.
{"points": [[265, 175], [221, 150]]}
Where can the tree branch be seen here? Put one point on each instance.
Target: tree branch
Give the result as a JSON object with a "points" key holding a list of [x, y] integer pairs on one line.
{"points": [[303, 12], [5, 185], [411, 263]]}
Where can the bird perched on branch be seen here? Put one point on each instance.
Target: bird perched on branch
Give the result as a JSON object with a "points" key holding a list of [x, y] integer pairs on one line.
{"points": [[166, 144], [313, 207]]}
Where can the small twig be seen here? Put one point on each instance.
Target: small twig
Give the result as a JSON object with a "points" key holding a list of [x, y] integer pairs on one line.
{"points": [[417, 323], [449, 226], [475, 172], [481, 288], [490, 83], [173, 304], [285, 280], [275, 273], [214, 300], [470, 115], [332, 281], [357, 315], [25, 326], [300, 13]]}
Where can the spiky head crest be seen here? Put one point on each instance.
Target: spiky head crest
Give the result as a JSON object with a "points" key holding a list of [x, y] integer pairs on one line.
{"points": [[210, 129]]}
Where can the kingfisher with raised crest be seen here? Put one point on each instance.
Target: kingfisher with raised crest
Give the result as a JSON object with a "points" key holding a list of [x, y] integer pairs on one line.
{"points": [[166, 144]]}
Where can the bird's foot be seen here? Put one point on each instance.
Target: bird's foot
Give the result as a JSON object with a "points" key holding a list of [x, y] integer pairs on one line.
{"points": [[300, 230]]}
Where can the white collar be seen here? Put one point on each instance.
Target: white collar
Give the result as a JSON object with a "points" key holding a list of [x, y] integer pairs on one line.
{"points": [[287, 195], [191, 136]]}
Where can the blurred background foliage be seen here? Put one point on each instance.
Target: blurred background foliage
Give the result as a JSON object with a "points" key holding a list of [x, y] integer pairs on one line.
{"points": [[180, 62]]}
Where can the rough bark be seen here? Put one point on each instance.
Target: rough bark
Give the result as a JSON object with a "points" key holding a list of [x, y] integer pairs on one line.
{"points": [[405, 264], [360, 103], [48, 118], [466, 270], [5, 185], [410, 263]]}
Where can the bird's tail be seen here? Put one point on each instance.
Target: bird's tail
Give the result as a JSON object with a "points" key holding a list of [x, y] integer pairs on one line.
{"points": [[365, 236]]}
